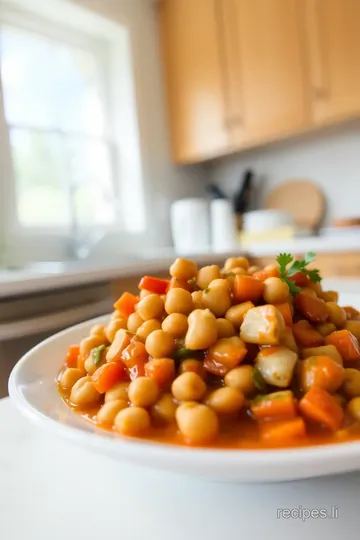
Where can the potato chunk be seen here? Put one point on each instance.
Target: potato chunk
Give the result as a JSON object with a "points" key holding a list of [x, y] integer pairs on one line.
{"points": [[276, 365], [262, 325]]}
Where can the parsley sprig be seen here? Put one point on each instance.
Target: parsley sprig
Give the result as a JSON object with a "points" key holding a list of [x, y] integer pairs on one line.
{"points": [[286, 271]]}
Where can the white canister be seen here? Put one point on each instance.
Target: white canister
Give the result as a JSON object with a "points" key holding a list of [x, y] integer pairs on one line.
{"points": [[223, 230], [190, 225]]}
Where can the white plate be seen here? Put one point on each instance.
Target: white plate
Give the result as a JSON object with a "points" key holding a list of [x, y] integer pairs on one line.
{"points": [[33, 389]]}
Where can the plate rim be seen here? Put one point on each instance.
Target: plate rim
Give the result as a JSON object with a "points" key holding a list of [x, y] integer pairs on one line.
{"points": [[134, 448]]}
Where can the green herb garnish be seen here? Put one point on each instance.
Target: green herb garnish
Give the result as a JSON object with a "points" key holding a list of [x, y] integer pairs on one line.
{"points": [[258, 380], [286, 271], [96, 354]]}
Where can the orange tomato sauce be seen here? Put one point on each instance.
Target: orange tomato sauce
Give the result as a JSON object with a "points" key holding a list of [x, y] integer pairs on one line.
{"points": [[240, 433]]}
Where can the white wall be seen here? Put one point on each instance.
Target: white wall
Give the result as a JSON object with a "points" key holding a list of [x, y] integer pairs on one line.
{"points": [[331, 160]]}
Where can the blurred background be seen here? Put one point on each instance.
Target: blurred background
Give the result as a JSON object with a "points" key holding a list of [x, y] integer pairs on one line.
{"points": [[132, 131]]}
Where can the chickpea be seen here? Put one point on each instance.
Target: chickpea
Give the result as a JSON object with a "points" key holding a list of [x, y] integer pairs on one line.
{"points": [[150, 307], [217, 297], [107, 413], [351, 385], [132, 421], [235, 262], [202, 332], [116, 314], [70, 377], [226, 400], [120, 342], [164, 409], [118, 392], [337, 315], [354, 328], [193, 365], [276, 291], [197, 299], [178, 301], [188, 386], [222, 282], [326, 329], [330, 296], [134, 322], [353, 407], [253, 269], [183, 269], [113, 326], [89, 365], [241, 378], [236, 314], [84, 392], [198, 423], [207, 274], [88, 344], [160, 344], [146, 328], [144, 293], [175, 324], [99, 330], [225, 328], [316, 287], [143, 391]]}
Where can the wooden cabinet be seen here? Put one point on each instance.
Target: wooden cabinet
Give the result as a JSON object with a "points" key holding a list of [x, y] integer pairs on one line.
{"points": [[240, 73], [272, 101], [333, 39], [194, 79]]}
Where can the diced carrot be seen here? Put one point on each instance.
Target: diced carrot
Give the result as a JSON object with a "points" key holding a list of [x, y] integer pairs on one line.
{"points": [[162, 370], [312, 307], [154, 284], [285, 311], [176, 283], [247, 288], [271, 271], [321, 407], [300, 279], [126, 304], [321, 371], [346, 343], [306, 335], [351, 313], [277, 406], [72, 356], [107, 375], [283, 431], [134, 358]]}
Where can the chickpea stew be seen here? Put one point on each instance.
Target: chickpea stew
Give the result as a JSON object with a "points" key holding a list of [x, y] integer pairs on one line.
{"points": [[232, 357]]}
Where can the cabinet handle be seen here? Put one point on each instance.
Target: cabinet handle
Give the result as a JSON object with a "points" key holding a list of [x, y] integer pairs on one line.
{"points": [[316, 50]]}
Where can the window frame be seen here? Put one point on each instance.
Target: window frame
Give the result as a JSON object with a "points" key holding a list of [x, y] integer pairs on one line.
{"points": [[123, 129], [99, 49]]}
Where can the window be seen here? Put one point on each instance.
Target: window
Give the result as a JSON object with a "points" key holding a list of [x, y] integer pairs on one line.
{"points": [[57, 109]]}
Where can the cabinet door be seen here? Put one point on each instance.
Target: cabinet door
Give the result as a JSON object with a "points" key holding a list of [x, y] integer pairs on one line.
{"points": [[333, 37], [271, 61], [194, 78]]}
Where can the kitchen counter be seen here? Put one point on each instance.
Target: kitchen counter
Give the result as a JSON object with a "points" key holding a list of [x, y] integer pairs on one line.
{"points": [[53, 489], [50, 276]]}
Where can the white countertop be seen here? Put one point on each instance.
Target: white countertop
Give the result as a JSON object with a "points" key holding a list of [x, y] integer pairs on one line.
{"points": [[50, 489], [60, 275]]}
